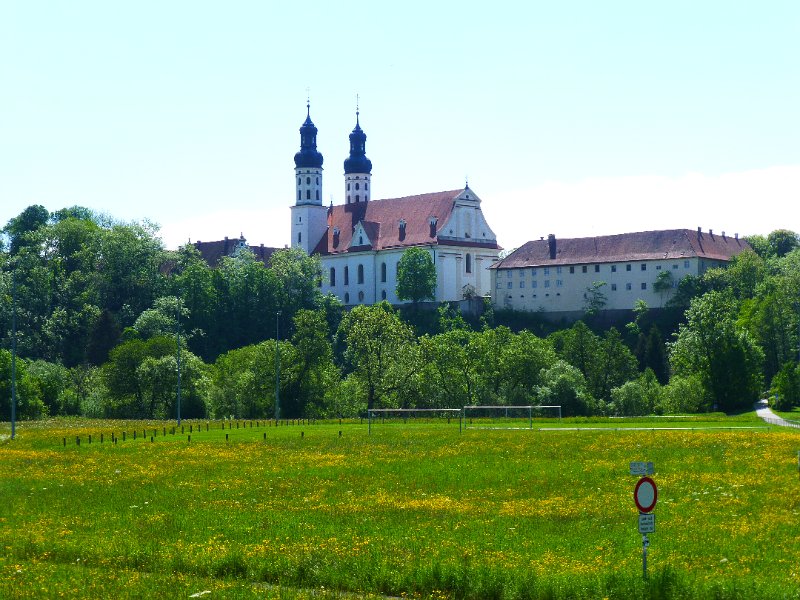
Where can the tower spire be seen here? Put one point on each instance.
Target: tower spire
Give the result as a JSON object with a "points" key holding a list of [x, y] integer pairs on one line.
{"points": [[357, 167]]}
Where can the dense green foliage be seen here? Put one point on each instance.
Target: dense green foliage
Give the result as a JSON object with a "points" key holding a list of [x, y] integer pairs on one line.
{"points": [[105, 317]]}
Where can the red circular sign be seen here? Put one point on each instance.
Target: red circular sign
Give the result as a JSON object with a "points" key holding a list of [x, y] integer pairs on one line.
{"points": [[645, 494]]}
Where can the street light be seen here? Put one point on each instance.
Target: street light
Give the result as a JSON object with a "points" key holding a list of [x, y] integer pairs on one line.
{"points": [[277, 369], [178, 359], [13, 354]]}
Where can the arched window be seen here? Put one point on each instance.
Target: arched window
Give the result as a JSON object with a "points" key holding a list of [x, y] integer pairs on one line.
{"points": [[360, 273], [383, 273], [360, 296], [348, 187], [308, 180], [317, 194], [383, 295], [366, 187], [299, 237], [358, 197], [333, 277], [469, 263], [308, 194], [346, 275], [347, 297], [317, 180], [298, 195], [299, 181], [356, 186]]}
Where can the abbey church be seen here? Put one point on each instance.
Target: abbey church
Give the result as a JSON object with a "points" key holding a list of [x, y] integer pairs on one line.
{"points": [[361, 241]]}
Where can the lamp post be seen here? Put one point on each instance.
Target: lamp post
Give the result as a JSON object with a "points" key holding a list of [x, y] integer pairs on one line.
{"points": [[13, 355], [178, 358], [277, 369]]}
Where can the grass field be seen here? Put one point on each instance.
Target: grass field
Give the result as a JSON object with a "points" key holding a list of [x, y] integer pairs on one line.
{"points": [[412, 510]]}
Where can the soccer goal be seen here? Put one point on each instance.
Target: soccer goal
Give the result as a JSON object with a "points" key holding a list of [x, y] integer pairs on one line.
{"points": [[414, 415], [508, 417]]}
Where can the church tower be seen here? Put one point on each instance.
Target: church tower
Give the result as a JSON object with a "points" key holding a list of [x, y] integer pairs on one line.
{"points": [[309, 217], [357, 168]]}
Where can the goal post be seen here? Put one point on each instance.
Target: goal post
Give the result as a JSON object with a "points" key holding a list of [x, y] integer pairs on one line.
{"points": [[508, 417], [426, 414]]}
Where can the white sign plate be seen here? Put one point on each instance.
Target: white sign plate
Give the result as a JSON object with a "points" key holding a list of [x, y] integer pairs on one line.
{"points": [[642, 468], [647, 523]]}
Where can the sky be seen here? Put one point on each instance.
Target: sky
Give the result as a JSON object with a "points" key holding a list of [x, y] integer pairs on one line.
{"points": [[575, 118]]}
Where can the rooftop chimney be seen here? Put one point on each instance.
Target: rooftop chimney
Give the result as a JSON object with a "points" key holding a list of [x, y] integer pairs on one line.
{"points": [[551, 244]]}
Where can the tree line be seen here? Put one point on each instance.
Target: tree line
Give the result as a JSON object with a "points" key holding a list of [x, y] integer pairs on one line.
{"points": [[105, 315]]}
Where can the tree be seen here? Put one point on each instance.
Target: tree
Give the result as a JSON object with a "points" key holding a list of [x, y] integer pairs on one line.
{"points": [[29, 395], [721, 353], [663, 284], [782, 241], [565, 386], [380, 351], [27, 222], [785, 389], [416, 276], [594, 300], [298, 276]]}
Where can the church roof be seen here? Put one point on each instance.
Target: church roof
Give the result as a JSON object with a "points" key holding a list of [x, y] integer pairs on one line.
{"points": [[644, 245], [381, 220], [212, 252]]}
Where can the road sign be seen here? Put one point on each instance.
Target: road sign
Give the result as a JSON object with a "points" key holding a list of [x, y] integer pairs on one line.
{"points": [[647, 523], [642, 468], [645, 494]]}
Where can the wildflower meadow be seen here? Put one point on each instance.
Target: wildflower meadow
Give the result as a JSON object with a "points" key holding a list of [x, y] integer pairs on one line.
{"points": [[424, 510]]}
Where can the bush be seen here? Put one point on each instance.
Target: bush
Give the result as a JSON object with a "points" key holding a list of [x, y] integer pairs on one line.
{"points": [[785, 390]]}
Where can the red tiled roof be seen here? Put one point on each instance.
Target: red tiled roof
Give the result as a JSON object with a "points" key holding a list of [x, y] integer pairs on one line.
{"points": [[643, 245], [212, 252], [382, 222]]}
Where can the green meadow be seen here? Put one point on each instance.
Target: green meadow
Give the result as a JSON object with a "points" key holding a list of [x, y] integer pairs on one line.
{"points": [[413, 509]]}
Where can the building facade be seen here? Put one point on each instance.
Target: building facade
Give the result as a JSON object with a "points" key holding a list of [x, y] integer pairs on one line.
{"points": [[361, 241], [556, 277]]}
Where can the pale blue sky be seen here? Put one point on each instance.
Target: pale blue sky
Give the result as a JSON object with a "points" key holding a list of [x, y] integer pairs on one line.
{"points": [[574, 118]]}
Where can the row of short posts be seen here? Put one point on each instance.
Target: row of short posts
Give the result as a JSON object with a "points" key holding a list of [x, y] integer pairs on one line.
{"points": [[172, 430]]}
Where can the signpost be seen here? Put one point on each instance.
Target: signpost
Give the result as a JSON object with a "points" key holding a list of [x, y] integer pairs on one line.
{"points": [[645, 496]]}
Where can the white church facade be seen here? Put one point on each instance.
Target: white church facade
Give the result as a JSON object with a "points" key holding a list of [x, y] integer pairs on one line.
{"points": [[361, 241]]}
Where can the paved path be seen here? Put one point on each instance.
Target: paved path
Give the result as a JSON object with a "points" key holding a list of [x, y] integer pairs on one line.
{"points": [[763, 411]]}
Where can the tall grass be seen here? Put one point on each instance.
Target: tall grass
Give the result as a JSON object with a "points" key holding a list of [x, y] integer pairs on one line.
{"points": [[417, 510]]}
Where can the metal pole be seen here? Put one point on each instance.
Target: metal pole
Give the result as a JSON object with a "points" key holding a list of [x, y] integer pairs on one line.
{"points": [[277, 369], [645, 544], [13, 355], [178, 342]]}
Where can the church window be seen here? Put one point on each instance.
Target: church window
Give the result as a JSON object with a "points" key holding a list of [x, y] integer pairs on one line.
{"points": [[360, 240], [366, 187], [317, 194], [383, 272], [383, 295], [317, 180], [308, 194], [348, 187], [356, 186], [348, 198], [299, 237], [308, 180], [469, 263], [360, 273], [346, 275], [299, 197], [333, 276], [347, 298], [360, 296], [299, 181], [358, 197]]}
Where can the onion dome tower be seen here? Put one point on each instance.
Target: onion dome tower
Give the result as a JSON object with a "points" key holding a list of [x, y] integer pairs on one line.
{"points": [[357, 167], [309, 217], [308, 164]]}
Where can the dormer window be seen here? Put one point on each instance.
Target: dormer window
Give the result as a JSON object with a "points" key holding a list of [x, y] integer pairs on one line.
{"points": [[402, 225], [335, 237]]}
